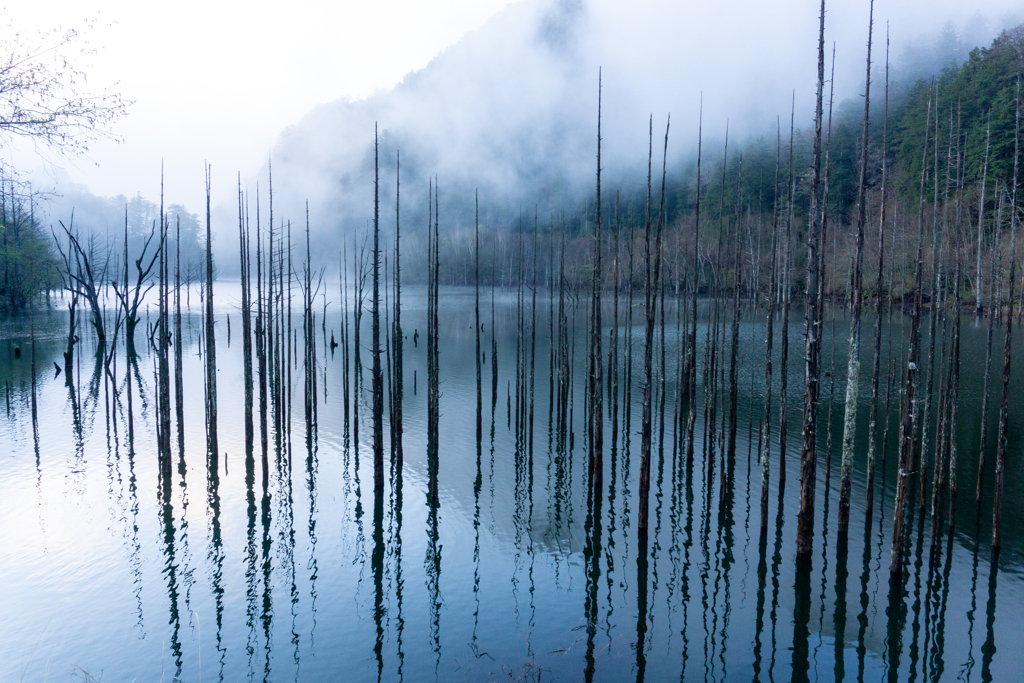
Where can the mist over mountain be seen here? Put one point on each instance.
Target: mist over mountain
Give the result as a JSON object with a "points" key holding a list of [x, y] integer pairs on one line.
{"points": [[511, 109]]}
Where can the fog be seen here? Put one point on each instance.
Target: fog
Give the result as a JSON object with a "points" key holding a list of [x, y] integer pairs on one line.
{"points": [[511, 107]]}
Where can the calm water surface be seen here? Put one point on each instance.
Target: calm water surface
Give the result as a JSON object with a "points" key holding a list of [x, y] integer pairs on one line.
{"points": [[297, 573]]}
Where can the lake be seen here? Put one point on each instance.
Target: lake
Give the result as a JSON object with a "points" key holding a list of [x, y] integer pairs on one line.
{"points": [[290, 569]]}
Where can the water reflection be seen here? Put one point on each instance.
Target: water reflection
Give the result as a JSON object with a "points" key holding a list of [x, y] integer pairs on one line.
{"points": [[170, 571], [526, 551]]}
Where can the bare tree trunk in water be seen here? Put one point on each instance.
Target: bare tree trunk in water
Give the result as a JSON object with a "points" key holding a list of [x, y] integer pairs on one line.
{"points": [[997, 505], [812, 343], [398, 335], [908, 412], [922, 456], [853, 360], [734, 398], [613, 337], [652, 284], [877, 360], [261, 338], [243, 260], [179, 399], [377, 378], [787, 288], [766, 425], [983, 441], [211, 345], [595, 413], [533, 336], [691, 358], [163, 334], [981, 221], [953, 372]]}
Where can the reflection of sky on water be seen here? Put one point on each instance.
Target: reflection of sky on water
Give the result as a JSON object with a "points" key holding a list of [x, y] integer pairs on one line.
{"points": [[104, 569]]}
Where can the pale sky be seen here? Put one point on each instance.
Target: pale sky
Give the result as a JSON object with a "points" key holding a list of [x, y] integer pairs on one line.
{"points": [[219, 79]]}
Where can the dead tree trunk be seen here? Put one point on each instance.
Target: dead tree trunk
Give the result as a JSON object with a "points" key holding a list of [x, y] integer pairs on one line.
{"points": [[766, 425], [651, 296], [734, 341], [812, 344], [163, 369], [179, 399], [476, 321], [69, 349], [981, 221], [211, 342], [691, 358], [595, 412], [853, 360], [922, 456], [261, 338], [876, 362], [398, 338], [613, 336], [243, 259], [1004, 417], [983, 440], [377, 378], [787, 288], [908, 412]]}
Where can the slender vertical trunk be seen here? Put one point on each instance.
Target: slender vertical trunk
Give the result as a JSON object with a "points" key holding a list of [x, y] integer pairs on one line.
{"points": [[494, 342], [1004, 417], [595, 412], [691, 360], [945, 456], [430, 304], [766, 428], [981, 221], [308, 334], [787, 288], [812, 330], [853, 361], [390, 378], [628, 371], [399, 340], [734, 343], [653, 281], [291, 359], [433, 392], [359, 256], [563, 342], [519, 327], [476, 321], [345, 348], [261, 337], [712, 355], [876, 362], [908, 412], [954, 401], [270, 324], [613, 337], [163, 336], [377, 378], [211, 345], [533, 337], [179, 399], [983, 441], [243, 260], [922, 456], [281, 331], [645, 415]]}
